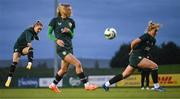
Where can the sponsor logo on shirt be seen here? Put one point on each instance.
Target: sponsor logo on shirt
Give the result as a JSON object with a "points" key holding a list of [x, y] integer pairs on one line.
{"points": [[59, 23]]}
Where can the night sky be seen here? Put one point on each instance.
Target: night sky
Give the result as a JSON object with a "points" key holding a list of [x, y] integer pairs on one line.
{"points": [[92, 17]]}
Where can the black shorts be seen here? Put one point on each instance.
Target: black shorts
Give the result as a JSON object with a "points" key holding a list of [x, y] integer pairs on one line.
{"points": [[135, 58], [63, 51], [19, 48]]}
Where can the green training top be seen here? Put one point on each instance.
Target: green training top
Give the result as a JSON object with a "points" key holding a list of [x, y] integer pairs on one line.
{"points": [[26, 37]]}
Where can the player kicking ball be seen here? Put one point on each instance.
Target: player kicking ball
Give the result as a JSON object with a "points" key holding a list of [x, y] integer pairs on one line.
{"points": [[140, 48], [63, 27], [23, 47]]}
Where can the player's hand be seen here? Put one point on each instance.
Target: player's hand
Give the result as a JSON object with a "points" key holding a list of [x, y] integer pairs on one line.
{"points": [[66, 30], [29, 44], [131, 52], [60, 42]]}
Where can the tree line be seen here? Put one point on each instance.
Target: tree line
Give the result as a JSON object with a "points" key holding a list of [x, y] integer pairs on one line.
{"points": [[166, 53]]}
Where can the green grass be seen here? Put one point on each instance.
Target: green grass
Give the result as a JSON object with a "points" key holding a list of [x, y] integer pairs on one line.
{"points": [[79, 93], [172, 69]]}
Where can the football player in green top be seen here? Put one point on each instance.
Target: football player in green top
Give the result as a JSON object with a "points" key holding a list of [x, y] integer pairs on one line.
{"points": [[63, 27], [23, 46], [140, 48]]}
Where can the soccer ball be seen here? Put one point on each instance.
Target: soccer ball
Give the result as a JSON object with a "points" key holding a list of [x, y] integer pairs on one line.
{"points": [[110, 33]]}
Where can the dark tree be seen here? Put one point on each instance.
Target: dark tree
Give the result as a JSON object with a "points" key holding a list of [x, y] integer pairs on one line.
{"points": [[167, 53], [121, 57]]}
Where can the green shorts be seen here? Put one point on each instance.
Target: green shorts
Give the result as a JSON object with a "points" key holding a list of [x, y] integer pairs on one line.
{"points": [[63, 51], [135, 59]]}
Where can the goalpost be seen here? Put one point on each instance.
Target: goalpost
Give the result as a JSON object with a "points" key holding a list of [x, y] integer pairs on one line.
{"points": [[55, 55]]}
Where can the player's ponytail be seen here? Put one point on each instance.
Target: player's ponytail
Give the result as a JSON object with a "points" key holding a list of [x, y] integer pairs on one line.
{"points": [[38, 22], [152, 26]]}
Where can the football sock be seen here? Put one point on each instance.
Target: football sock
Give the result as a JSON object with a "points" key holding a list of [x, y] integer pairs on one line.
{"points": [[57, 79], [30, 55], [142, 78], [10, 77], [147, 79], [116, 79], [12, 69], [155, 76], [82, 77]]}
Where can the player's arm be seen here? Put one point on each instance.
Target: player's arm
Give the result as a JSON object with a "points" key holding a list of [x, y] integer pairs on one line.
{"points": [[71, 31], [28, 39], [67, 30], [73, 28], [51, 27], [50, 33], [135, 42], [52, 37]]}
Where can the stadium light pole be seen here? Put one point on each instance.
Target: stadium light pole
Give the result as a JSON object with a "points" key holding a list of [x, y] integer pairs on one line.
{"points": [[55, 55]]}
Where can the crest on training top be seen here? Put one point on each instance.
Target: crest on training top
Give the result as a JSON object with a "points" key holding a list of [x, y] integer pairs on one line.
{"points": [[70, 24]]}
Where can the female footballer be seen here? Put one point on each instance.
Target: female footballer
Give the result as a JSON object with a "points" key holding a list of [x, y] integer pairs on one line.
{"points": [[140, 48], [23, 47], [63, 27]]}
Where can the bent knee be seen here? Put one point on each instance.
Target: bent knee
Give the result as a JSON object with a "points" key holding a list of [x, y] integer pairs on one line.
{"points": [[78, 64], [65, 71], [155, 66]]}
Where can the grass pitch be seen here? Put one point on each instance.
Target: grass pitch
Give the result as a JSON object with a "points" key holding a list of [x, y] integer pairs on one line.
{"points": [[79, 93]]}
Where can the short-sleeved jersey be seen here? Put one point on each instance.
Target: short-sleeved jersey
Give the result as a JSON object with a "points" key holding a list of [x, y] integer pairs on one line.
{"points": [[146, 44], [26, 37]]}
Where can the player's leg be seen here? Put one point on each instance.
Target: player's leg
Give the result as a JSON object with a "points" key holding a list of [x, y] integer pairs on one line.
{"points": [[127, 72], [147, 79], [16, 57], [63, 70], [29, 52], [59, 76], [79, 71], [142, 79], [146, 63]]}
